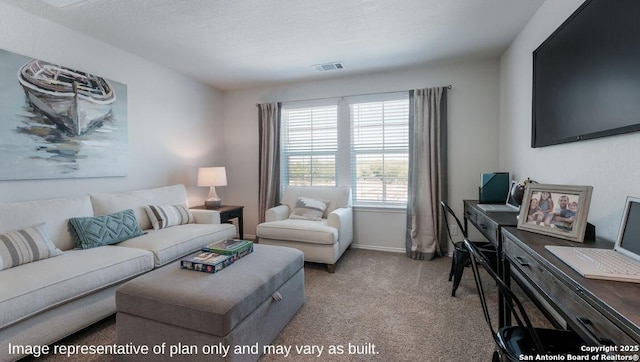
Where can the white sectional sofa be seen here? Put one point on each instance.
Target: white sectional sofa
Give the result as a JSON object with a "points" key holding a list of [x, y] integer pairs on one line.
{"points": [[46, 300]]}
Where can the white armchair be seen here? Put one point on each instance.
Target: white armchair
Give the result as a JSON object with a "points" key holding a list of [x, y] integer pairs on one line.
{"points": [[321, 241]]}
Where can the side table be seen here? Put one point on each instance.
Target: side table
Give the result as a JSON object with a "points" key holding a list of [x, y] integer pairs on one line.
{"points": [[227, 213]]}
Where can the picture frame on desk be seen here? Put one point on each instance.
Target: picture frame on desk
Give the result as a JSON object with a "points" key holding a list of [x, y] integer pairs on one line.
{"points": [[556, 210]]}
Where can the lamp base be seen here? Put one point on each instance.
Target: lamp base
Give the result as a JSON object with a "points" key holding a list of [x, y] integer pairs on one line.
{"points": [[212, 204], [212, 201]]}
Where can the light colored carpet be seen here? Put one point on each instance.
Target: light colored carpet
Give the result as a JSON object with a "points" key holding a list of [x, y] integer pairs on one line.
{"points": [[401, 306]]}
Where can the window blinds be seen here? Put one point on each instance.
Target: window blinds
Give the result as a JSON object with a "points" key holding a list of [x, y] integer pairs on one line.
{"points": [[309, 145], [380, 151]]}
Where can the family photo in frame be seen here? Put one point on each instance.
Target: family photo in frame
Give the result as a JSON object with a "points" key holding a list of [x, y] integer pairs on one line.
{"points": [[556, 210]]}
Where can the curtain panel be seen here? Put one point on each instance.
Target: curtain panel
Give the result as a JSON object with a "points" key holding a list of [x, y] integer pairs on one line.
{"points": [[269, 157], [426, 235]]}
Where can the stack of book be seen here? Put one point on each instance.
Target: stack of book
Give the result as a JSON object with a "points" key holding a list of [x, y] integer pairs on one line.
{"points": [[217, 256]]}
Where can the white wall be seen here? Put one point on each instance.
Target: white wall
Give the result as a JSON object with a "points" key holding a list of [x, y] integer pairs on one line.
{"points": [[473, 137], [608, 164], [177, 124], [171, 119]]}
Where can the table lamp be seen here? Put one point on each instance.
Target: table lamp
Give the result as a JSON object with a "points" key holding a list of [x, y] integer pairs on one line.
{"points": [[212, 177]]}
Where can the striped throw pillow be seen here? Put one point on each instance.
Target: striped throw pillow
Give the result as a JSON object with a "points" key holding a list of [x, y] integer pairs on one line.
{"points": [[26, 245], [170, 215]]}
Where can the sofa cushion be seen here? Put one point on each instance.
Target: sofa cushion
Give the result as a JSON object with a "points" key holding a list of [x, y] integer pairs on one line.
{"points": [[32, 288], [171, 215], [55, 212], [26, 245], [91, 232], [308, 209], [305, 231], [175, 242], [105, 204]]}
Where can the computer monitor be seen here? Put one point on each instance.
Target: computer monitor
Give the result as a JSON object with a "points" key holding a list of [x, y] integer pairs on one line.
{"points": [[494, 187], [629, 239]]}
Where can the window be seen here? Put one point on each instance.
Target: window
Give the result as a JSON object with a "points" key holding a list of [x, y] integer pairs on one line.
{"points": [[380, 151], [360, 141], [309, 145]]}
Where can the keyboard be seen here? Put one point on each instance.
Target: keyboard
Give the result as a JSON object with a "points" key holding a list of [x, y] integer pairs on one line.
{"points": [[610, 261]]}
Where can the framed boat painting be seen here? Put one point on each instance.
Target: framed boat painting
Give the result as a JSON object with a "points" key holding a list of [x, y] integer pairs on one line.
{"points": [[58, 122]]}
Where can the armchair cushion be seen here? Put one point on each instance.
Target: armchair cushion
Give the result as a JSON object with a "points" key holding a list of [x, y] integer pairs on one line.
{"points": [[306, 231]]}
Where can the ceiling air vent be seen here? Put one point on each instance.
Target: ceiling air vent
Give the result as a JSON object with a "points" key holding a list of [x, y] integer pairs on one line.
{"points": [[328, 66]]}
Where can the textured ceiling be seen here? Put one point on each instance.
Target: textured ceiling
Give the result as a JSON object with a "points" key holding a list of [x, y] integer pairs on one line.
{"points": [[233, 44]]}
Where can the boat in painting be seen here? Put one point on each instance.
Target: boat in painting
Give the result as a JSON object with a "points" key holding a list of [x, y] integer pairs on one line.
{"points": [[75, 101]]}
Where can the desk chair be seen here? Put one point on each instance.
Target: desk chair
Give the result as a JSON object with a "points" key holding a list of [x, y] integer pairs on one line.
{"points": [[523, 339], [460, 254]]}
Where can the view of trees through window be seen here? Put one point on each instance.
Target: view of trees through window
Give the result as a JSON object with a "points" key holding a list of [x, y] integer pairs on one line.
{"points": [[382, 178], [380, 150], [312, 170]]}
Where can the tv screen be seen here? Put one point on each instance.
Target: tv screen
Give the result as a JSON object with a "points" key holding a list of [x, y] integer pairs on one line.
{"points": [[586, 75]]}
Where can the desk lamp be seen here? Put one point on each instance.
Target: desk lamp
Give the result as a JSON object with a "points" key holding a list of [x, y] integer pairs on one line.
{"points": [[212, 176]]}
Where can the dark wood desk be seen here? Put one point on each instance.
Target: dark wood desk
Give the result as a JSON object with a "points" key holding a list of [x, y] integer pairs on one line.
{"points": [[490, 225], [601, 312]]}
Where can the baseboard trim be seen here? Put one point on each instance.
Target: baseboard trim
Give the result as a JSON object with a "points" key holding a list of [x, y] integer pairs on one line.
{"points": [[355, 246], [363, 246], [378, 248]]}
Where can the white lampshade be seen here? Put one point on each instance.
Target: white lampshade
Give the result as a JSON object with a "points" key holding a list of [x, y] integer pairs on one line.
{"points": [[212, 176]]}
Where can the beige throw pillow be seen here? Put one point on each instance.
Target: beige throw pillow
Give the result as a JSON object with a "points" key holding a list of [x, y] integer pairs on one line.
{"points": [[26, 245], [308, 209], [169, 215]]}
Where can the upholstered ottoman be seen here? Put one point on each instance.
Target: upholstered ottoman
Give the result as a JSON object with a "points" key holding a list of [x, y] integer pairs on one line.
{"points": [[198, 315]]}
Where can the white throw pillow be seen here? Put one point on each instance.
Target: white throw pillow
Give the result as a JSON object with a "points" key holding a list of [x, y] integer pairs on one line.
{"points": [[169, 215], [308, 209]]}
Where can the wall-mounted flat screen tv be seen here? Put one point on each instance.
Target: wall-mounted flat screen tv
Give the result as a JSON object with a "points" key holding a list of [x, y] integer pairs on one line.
{"points": [[586, 75]]}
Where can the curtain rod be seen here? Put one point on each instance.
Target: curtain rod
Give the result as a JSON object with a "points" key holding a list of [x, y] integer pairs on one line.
{"points": [[352, 95]]}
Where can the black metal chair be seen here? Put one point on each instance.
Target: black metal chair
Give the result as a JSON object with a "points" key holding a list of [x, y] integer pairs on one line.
{"points": [[460, 254], [523, 339]]}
